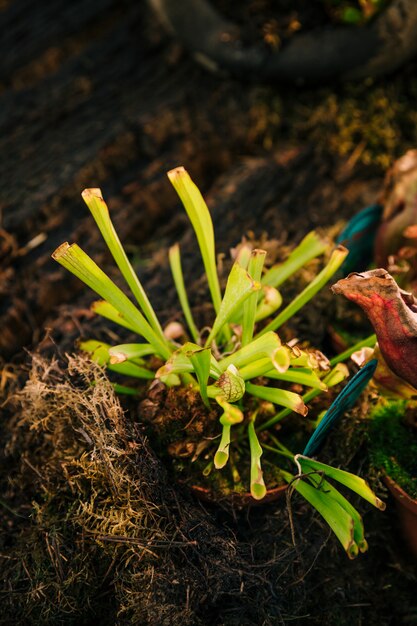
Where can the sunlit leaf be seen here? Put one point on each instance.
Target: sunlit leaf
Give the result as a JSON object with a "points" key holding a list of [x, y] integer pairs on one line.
{"points": [[282, 397], [309, 248], [268, 345], [176, 269], [99, 352], [74, 259], [339, 520], [257, 484], [255, 265], [100, 212], [231, 415], [351, 481], [239, 287], [129, 351], [336, 259], [200, 219]]}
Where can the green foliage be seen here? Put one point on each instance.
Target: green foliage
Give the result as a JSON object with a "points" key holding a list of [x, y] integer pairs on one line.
{"points": [[393, 444], [225, 367]]}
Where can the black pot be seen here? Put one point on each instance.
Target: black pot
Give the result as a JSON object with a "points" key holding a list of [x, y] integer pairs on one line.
{"points": [[341, 52]]}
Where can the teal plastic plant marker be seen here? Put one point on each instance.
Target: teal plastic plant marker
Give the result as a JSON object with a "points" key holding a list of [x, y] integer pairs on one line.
{"points": [[344, 401]]}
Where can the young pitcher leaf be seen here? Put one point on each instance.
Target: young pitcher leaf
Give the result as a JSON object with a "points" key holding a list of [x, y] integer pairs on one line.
{"points": [[257, 484], [176, 270], [300, 375], [180, 362], [255, 265], [201, 361], [268, 345], [334, 377], [335, 261], [231, 415], [200, 219], [129, 351], [269, 304], [239, 286], [99, 352], [288, 399], [230, 385], [310, 247], [320, 483], [344, 401], [107, 310]]}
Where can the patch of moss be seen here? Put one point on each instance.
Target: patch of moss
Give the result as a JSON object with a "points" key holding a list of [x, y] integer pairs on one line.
{"points": [[393, 445], [368, 122]]}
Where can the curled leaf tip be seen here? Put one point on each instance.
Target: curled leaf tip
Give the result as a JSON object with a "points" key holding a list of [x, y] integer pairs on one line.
{"points": [[61, 250], [92, 193], [302, 409], [380, 504], [352, 550], [363, 546], [177, 172], [117, 357]]}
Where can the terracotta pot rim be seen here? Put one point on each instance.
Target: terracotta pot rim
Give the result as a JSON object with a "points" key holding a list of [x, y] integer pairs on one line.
{"points": [[400, 495]]}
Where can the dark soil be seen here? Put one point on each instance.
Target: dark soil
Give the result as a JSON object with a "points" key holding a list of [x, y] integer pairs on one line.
{"points": [[94, 528]]}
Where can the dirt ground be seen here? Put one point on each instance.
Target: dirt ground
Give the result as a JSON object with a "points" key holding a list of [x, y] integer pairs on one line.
{"points": [[93, 528]]}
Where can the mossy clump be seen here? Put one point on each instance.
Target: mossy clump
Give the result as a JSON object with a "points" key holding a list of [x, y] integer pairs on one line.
{"points": [[369, 123], [393, 445], [97, 530]]}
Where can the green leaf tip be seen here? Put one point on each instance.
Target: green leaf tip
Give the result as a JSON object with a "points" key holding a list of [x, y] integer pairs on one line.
{"points": [[61, 251], [232, 415], [257, 484], [93, 193], [200, 218]]}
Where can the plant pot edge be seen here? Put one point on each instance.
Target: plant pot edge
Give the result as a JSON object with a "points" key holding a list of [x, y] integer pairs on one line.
{"points": [[377, 48], [407, 512]]}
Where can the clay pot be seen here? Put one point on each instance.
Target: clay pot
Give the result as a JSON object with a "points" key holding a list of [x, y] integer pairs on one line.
{"points": [[376, 48], [407, 513]]}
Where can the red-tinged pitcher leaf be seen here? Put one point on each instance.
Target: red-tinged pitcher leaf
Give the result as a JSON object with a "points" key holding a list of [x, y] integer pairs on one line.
{"points": [[393, 314]]}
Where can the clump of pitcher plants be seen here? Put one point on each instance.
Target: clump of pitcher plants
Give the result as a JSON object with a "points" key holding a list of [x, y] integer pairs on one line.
{"points": [[240, 364]]}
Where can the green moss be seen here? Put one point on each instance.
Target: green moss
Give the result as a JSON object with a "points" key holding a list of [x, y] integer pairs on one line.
{"points": [[393, 445], [369, 122]]}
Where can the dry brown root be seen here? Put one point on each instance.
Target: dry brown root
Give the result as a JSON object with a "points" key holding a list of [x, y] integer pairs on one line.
{"points": [[108, 533]]}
